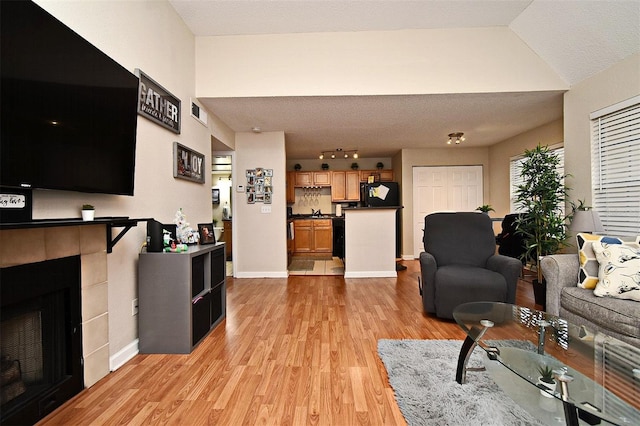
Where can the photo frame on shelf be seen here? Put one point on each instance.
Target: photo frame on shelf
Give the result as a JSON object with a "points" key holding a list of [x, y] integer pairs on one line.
{"points": [[215, 196], [206, 233]]}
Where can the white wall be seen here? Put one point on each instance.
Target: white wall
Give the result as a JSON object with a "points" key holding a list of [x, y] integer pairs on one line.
{"points": [[620, 82], [148, 35], [259, 239], [370, 63], [449, 156]]}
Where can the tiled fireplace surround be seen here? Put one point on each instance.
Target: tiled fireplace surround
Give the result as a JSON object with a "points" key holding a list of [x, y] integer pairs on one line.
{"points": [[29, 245]]}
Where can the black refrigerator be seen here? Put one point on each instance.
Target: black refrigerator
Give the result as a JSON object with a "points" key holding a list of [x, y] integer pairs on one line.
{"points": [[380, 194], [384, 194]]}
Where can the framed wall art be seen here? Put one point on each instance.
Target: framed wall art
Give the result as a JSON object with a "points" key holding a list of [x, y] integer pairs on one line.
{"points": [[157, 104], [187, 163], [259, 185]]}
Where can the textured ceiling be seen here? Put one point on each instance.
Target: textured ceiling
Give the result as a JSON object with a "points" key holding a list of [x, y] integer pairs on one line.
{"points": [[576, 38]]}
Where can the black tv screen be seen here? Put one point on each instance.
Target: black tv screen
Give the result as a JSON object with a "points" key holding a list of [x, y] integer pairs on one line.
{"points": [[68, 118]]}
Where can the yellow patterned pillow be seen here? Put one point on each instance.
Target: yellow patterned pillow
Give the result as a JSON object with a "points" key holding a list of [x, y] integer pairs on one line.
{"points": [[588, 273], [619, 271]]}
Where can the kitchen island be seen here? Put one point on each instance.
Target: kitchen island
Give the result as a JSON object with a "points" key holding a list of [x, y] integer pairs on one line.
{"points": [[370, 242]]}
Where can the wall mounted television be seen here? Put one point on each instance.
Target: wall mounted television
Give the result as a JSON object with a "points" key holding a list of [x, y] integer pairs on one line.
{"points": [[68, 117]]}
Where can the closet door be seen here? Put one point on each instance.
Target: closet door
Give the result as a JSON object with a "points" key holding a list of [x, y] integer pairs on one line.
{"points": [[454, 188]]}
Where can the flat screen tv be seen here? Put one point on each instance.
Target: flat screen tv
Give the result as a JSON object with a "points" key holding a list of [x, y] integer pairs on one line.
{"points": [[68, 117]]}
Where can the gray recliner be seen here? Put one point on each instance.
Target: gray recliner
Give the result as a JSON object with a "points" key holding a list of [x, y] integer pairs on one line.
{"points": [[460, 263]]}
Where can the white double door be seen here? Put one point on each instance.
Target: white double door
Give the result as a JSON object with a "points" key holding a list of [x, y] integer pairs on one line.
{"points": [[439, 188]]}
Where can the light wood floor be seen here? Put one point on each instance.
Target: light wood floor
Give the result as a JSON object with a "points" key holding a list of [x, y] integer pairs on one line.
{"points": [[296, 351]]}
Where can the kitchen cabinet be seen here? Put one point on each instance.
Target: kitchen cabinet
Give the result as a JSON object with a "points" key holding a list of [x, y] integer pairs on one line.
{"points": [[384, 175], [291, 187], [228, 236], [322, 236], [322, 178], [313, 236], [181, 298], [345, 186]]}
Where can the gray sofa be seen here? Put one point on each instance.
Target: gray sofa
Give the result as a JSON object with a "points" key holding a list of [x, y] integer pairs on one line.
{"points": [[614, 317]]}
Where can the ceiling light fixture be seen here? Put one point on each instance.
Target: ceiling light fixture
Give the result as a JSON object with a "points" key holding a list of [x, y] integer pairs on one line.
{"points": [[338, 152], [456, 138]]}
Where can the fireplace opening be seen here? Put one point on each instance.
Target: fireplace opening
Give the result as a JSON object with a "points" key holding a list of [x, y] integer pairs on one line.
{"points": [[40, 338]]}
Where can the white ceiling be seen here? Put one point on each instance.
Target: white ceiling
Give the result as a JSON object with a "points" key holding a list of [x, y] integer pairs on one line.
{"points": [[576, 38]]}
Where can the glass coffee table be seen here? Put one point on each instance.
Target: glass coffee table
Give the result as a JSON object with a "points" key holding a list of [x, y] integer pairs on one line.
{"points": [[597, 376]]}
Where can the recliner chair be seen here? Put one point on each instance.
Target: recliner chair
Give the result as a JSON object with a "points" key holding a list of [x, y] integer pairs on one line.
{"points": [[460, 263]]}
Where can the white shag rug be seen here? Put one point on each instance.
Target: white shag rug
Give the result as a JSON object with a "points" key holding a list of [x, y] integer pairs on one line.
{"points": [[422, 375]]}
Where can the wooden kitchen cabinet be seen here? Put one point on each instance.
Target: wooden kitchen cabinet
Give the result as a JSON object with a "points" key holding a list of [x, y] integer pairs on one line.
{"points": [[345, 186], [322, 178], [322, 236], [228, 236], [313, 236], [291, 187], [303, 235], [384, 175], [303, 178]]}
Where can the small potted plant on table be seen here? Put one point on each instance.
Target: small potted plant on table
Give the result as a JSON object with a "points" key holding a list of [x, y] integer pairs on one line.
{"points": [[88, 212], [546, 381]]}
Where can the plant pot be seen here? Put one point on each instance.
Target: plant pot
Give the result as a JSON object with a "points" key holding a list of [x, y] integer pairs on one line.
{"points": [[88, 215], [550, 386], [540, 293]]}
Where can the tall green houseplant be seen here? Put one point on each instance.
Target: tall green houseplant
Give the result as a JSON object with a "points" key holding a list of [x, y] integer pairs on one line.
{"points": [[541, 197]]}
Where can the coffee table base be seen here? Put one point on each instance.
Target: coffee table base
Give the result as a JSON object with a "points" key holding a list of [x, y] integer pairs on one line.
{"points": [[469, 344]]}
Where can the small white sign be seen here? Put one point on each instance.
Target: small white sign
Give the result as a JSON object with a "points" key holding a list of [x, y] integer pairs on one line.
{"points": [[13, 201]]}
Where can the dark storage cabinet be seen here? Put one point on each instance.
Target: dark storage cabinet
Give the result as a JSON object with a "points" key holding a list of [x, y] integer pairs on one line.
{"points": [[181, 297]]}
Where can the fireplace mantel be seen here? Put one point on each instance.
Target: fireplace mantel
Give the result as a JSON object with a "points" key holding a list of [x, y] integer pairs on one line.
{"points": [[110, 222]]}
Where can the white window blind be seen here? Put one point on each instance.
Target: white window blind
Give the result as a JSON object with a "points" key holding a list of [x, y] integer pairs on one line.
{"points": [[615, 167], [515, 176]]}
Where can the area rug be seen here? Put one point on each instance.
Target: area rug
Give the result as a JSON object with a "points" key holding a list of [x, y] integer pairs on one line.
{"points": [[422, 375], [301, 265]]}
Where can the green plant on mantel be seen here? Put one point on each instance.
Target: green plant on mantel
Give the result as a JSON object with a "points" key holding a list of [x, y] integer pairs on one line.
{"points": [[87, 207], [541, 197]]}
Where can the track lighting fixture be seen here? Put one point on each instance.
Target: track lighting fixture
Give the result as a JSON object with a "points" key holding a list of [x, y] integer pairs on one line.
{"points": [[456, 138], [338, 152]]}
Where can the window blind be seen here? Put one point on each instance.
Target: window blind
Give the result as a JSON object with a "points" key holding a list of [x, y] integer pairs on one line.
{"points": [[615, 167]]}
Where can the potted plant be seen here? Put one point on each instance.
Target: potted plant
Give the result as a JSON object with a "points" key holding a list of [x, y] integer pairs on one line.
{"points": [[354, 166], [541, 198], [88, 212], [325, 166], [485, 208], [380, 166], [546, 381]]}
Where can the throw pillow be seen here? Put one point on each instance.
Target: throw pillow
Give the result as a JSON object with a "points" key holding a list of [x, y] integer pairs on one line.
{"points": [[588, 273], [619, 272]]}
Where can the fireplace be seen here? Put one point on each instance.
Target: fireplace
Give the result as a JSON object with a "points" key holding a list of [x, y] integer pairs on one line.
{"points": [[41, 338]]}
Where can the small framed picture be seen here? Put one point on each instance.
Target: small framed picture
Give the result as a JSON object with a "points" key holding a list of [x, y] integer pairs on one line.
{"points": [[215, 196], [206, 233]]}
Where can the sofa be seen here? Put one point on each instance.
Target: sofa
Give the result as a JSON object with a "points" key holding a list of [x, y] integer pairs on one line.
{"points": [[619, 318]]}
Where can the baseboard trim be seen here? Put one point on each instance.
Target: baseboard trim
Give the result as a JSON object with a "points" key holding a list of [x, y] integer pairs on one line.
{"points": [[370, 274], [284, 274], [122, 356]]}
